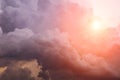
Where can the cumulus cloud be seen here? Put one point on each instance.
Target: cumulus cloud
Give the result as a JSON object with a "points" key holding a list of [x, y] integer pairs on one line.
{"points": [[53, 51], [21, 74], [46, 31]]}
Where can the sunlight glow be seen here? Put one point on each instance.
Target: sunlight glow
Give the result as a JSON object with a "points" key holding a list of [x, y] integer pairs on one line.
{"points": [[96, 25]]}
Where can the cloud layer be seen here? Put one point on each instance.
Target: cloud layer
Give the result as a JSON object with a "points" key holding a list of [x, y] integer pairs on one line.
{"points": [[44, 30]]}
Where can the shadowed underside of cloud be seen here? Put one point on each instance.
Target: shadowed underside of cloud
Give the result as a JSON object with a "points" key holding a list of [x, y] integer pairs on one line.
{"points": [[40, 30]]}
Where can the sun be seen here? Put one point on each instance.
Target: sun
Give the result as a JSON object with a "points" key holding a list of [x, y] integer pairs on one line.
{"points": [[96, 25]]}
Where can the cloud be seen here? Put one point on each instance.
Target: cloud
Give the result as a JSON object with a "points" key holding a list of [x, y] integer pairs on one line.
{"points": [[54, 51], [47, 31], [22, 74]]}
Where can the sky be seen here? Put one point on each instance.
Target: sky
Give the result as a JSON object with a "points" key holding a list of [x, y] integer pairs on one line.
{"points": [[108, 10], [47, 39]]}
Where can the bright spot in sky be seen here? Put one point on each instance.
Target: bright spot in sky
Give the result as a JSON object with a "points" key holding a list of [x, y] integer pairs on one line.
{"points": [[108, 10], [96, 25]]}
